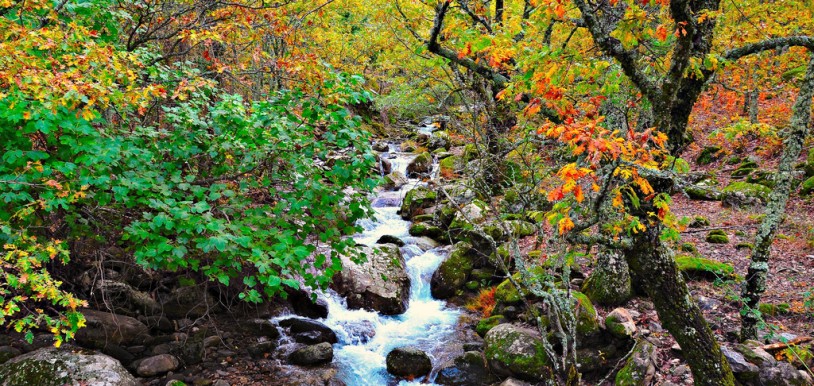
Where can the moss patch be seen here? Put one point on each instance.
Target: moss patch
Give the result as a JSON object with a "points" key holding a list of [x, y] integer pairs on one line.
{"points": [[717, 236], [748, 190], [709, 155], [694, 266], [486, 324], [807, 187]]}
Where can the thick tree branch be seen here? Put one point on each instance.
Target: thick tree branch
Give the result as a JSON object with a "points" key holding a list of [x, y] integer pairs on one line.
{"points": [[770, 44]]}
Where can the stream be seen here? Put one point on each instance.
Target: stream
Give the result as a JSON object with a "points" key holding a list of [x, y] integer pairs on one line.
{"points": [[427, 324]]}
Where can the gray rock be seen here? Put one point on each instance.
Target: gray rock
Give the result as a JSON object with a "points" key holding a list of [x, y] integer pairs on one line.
{"points": [[259, 350], [514, 382], [743, 370], [378, 284], [104, 328], [157, 365], [783, 374], [54, 367], [312, 355], [420, 165], [7, 353], [408, 362]]}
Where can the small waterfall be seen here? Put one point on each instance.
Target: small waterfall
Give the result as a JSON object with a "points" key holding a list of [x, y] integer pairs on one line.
{"points": [[367, 337]]}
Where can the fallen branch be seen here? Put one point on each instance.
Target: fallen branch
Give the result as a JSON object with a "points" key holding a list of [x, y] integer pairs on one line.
{"points": [[791, 343]]}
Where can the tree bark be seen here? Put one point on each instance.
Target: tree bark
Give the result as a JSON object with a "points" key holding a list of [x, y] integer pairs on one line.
{"points": [[652, 263], [759, 265]]}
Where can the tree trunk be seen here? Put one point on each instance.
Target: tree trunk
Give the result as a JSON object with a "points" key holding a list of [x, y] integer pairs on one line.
{"points": [[759, 266], [653, 264]]}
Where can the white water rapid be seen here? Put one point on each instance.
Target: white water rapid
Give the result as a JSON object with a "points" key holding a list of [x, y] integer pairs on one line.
{"points": [[427, 324]]}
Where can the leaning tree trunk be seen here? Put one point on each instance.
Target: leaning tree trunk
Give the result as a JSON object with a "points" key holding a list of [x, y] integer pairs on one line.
{"points": [[759, 266], [652, 264]]}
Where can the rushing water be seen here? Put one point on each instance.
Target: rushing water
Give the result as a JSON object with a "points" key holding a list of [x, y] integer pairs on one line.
{"points": [[427, 324]]}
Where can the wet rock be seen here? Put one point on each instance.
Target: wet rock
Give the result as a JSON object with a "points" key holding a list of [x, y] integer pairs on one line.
{"points": [[516, 352], [427, 230], [380, 146], [378, 284], [468, 369], [509, 229], [189, 302], [309, 331], [640, 368], [304, 305], [312, 355], [425, 243], [54, 367], [620, 324], [453, 272], [408, 362], [609, 284], [394, 181], [388, 239], [473, 346], [420, 165], [104, 328]]}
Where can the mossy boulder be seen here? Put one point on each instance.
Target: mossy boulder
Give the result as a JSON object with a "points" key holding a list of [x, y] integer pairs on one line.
{"points": [[774, 309], [453, 272], [742, 246], [507, 293], [708, 155], [739, 193], [704, 190], [688, 247], [408, 362], [717, 236], [699, 267], [809, 164], [451, 166], [438, 140], [620, 324], [379, 284], [807, 187], [422, 164], [417, 199], [640, 367], [468, 215], [509, 229], [425, 229], [486, 324], [513, 351], [57, 367], [609, 284], [394, 181], [744, 169], [763, 177], [467, 369], [587, 318]]}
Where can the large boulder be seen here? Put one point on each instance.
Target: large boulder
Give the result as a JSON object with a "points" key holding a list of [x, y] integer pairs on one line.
{"points": [[509, 229], [420, 165], [417, 199], [55, 367], [517, 352], [408, 362], [378, 284], [468, 369], [640, 367], [312, 355], [609, 284], [104, 329], [453, 272]]}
